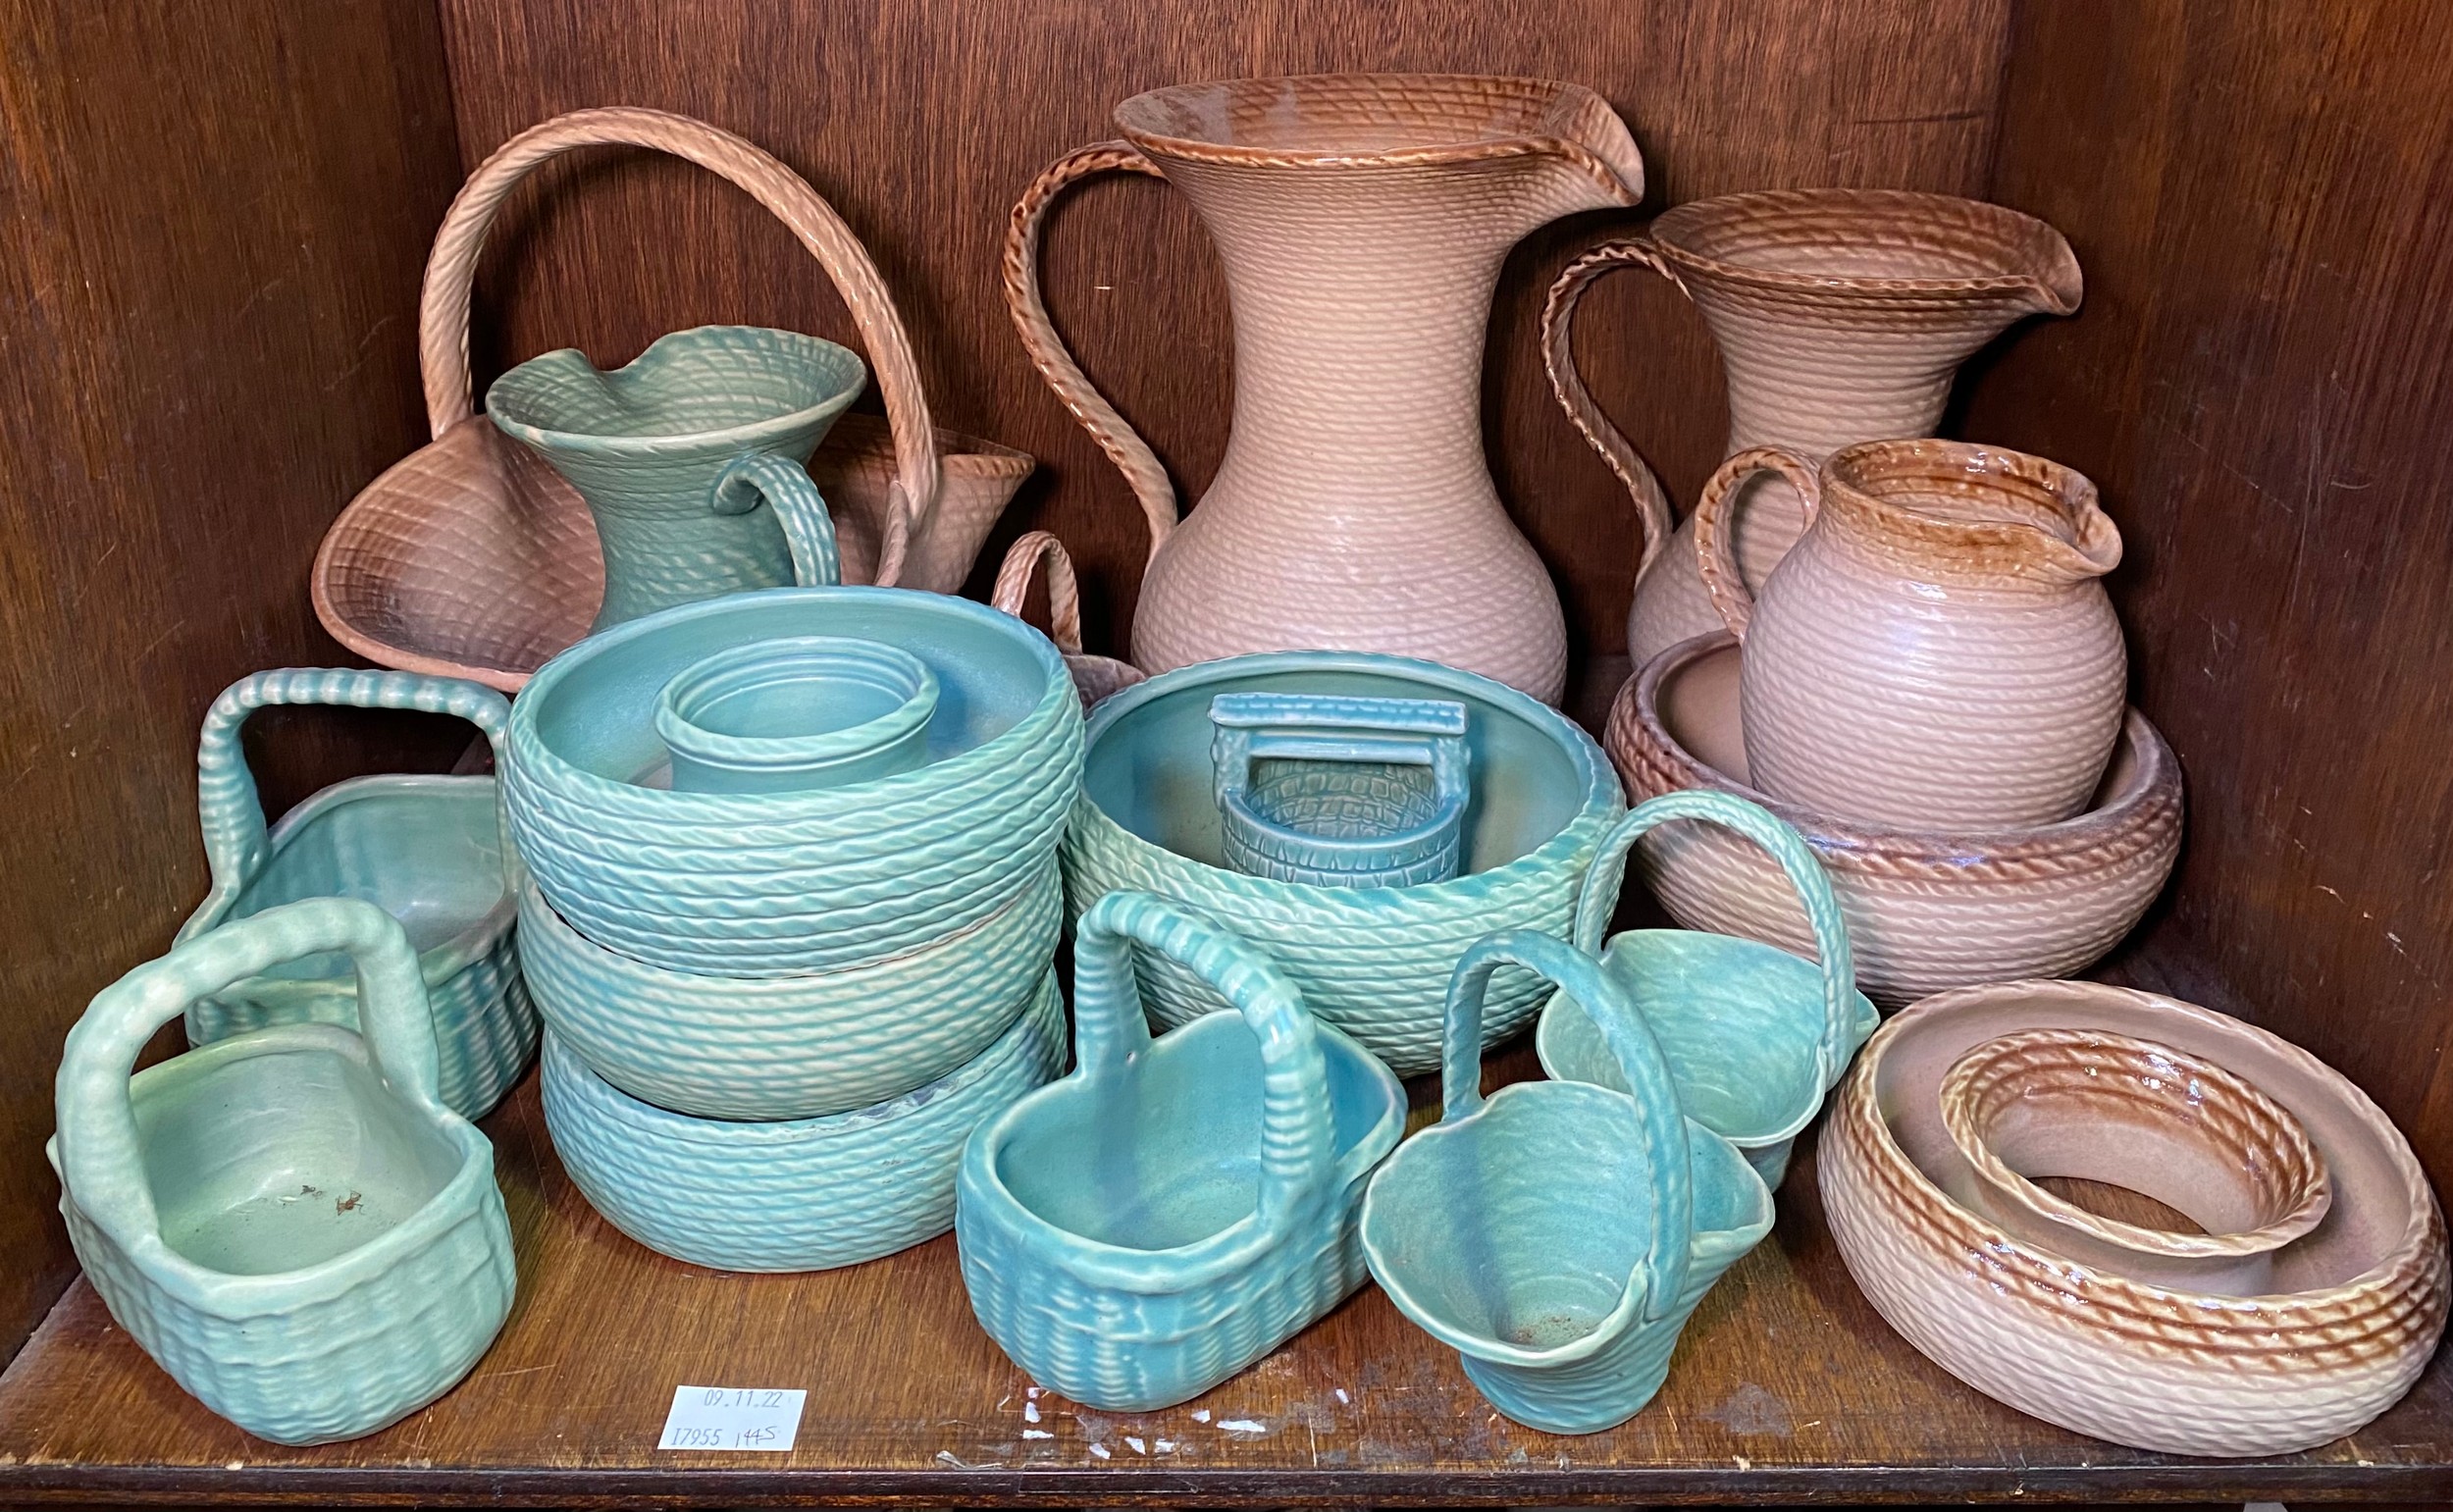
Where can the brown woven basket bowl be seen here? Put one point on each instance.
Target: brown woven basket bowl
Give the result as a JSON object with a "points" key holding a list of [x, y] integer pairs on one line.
{"points": [[471, 557], [2356, 1307], [1927, 910]]}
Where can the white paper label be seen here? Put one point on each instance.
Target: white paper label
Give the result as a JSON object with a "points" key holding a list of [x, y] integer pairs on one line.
{"points": [[732, 1418]]}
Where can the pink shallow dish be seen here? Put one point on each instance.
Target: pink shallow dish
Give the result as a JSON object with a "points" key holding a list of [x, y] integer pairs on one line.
{"points": [[2357, 1303]]}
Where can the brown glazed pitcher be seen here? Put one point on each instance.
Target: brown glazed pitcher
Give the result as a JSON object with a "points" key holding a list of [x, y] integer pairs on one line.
{"points": [[1362, 220], [1841, 316], [1936, 652]]}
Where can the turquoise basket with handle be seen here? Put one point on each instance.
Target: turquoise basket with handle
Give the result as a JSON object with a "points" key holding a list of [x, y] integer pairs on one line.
{"points": [[431, 851], [288, 1220], [1559, 1235], [1175, 1209], [1754, 1037]]}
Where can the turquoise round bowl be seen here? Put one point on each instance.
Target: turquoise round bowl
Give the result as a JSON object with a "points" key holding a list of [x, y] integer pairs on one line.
{"points": [[775, 884], [798, 1194], [789, 1047], [1371, 961]]}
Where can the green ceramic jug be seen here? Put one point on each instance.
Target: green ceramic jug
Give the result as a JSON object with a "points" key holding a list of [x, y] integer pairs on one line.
{"points": [[427, 850], [1559, 1235], [290, 1221], [1753, 1035], [691, 458]]}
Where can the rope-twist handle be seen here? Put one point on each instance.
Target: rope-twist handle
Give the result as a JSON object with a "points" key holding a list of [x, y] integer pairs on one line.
{"points": [[1716, 535], [227, 809], [1115, 437], [1662, 1271], [101, 1161], [1023, 560], [444, 306], [1110, 1030], [785, 487], [1653, 517], [1795, 857]]}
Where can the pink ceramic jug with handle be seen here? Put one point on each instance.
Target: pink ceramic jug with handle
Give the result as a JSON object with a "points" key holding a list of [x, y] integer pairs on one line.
{"points": [[1363, 219], [1936, 652]]}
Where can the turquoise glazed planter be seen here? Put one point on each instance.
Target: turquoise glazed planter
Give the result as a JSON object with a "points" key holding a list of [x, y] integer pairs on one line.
{"points": [[288, 1220], [790, 1047], [691, 458], [1361, 792], [796, 1194], [1373, 961], [1172, 1211], [1754, 1037], [782, 884], [426, 849], [791, 715], [1559, 1235]]}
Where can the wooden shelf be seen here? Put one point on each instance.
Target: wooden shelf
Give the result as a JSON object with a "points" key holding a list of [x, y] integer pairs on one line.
{"points": [[1787, 1387]]}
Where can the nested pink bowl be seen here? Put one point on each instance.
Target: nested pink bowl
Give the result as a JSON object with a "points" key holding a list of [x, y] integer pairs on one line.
{"points": [[2357, 1302], [1927, 909]]}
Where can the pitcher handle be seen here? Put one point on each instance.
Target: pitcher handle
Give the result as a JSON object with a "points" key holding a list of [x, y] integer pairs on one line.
{"points": [[1022, 559], [1110, 1029], [784, 486], [1716, 543], [1117, 437], [1795, 857], [452, 268], [1653, 518], [1663, 1268], [99, 1156], [227, 809]]}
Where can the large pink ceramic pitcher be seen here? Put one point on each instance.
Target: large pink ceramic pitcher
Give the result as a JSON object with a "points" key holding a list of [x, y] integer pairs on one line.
{"points": [[1363, 219], [1841, 316]]}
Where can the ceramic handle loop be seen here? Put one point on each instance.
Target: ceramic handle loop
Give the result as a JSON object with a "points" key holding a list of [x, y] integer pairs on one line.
{"points": [[230, 814], [1023, 559], [100, 1160], [1716, 541], [1797, 858], [784, 486], [1653, 519], [444, 305], [1115, 437], [1110, 1030], [1662, 1271]]}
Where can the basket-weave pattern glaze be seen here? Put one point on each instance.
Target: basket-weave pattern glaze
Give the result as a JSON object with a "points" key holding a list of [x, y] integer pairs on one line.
{"points": [[798, 1194], [2358, 1305], [1841, 316]]}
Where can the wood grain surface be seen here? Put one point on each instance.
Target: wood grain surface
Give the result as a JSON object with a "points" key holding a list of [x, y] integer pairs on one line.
{"points": [[1787, 1387], [923, 123], [212, 218], [2260, 383]]}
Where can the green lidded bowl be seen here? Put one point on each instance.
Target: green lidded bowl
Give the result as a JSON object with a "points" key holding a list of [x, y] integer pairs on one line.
{"points": [[777, 884], [793, 1194], [1371, 961]]}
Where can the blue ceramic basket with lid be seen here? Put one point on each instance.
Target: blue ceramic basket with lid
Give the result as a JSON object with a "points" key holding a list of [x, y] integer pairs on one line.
{"points": [[288, 1220], [1754, 1037], [1559, 1235], [1373, 961], [777, 884], [427, 850], [1172, 1211]]}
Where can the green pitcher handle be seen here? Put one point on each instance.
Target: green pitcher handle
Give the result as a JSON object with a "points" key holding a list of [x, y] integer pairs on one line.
{"points": [[1797, 858], [1110, 1030], [227, 806], [100, 1161], [784, 486], [1663, 1268]]}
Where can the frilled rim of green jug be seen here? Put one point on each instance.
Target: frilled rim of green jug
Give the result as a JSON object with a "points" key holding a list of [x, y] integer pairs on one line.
{"points": [[1603, 802], [848, 373]]}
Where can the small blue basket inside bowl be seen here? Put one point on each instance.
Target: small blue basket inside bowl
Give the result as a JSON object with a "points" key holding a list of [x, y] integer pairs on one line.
{"points": [[1357, 792]]}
